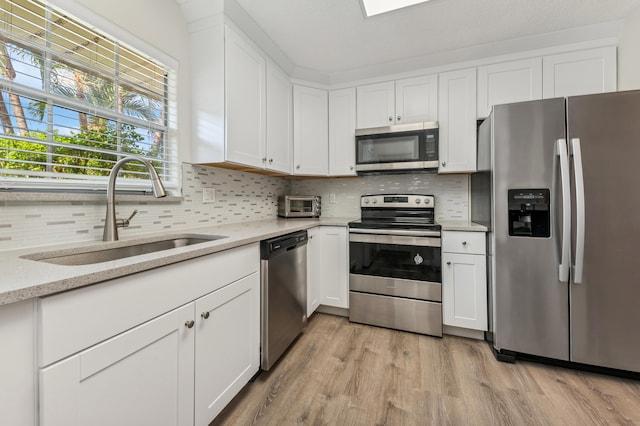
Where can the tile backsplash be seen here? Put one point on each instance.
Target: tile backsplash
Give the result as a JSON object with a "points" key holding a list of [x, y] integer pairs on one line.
{"points": [[239, 197], [451, 192]]}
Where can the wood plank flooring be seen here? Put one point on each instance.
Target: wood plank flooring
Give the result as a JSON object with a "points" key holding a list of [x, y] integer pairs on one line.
{"points": [[340, 373]]}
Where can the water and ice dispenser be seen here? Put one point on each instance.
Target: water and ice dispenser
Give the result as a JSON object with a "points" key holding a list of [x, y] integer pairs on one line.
{"points": [[529, 214]]}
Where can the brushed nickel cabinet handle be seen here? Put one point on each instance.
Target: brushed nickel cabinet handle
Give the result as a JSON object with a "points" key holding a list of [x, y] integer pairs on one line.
{"points": [[448, 263], [190, 324], [205, 315], [390, 118], [444, 164]]}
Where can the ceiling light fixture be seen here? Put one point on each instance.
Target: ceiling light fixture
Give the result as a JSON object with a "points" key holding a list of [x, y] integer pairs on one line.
{"points": [[376, 7]]}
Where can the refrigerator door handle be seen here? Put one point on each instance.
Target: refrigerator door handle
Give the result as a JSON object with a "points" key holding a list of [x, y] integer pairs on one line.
{"points": [[580, 214], [565, 260]]}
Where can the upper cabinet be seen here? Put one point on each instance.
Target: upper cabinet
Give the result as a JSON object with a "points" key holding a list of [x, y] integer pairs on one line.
{"points": [[457, 117], [310, 131], [245, 101], [579, 73], [342, 125], [410, 100], [279, 149], [508, 82], [241, 103]]}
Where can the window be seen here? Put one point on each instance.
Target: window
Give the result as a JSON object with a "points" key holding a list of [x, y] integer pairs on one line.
{"points": [[74, 101]]}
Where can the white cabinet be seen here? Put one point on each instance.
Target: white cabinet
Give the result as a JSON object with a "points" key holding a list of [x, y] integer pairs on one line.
{"points": [[410, 100], [279, 150], [580, 73], [227, 345], [310, 131], [333, 268], [143, 376], [168, 346], [18, 404], [313, 267], [376, 105], [457, 118], [241, 103], [245, 101], [342, 125], [507, 82], [464, 280], [417, 99]]}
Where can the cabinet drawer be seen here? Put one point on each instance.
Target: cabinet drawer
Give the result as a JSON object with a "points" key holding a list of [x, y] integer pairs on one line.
{"points": [[464, 242]]}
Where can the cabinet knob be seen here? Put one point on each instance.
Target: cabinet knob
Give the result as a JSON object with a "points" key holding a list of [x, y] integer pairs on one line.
{"points": [[390, 118], [190, 324], [448, 263], [444, 164], [464, 243], [270, 160], [298, 166], [350, 167], [205, 315], [398, 118], [264, 160]]}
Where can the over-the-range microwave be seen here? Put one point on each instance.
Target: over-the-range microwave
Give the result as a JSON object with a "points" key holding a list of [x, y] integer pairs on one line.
{"points": [[396, 148]]}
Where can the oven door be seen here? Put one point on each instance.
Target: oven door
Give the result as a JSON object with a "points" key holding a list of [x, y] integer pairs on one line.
{"points": [[405, 265]]}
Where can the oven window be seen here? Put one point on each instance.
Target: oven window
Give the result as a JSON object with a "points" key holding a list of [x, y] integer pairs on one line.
{"points": [[417, 263], [388, 149], [301, 206]]}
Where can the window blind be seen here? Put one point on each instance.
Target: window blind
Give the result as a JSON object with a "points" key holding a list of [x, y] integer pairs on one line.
{"points": [[75, 100]]}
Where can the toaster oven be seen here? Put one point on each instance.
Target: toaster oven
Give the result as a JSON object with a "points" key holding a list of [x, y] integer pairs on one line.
{"points": [[299, 206]]}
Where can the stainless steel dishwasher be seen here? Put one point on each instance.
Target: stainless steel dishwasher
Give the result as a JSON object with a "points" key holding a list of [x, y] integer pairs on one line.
{"points": [[283, 294]]}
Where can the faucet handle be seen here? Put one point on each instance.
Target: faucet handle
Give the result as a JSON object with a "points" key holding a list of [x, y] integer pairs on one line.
{"points": [[124, 223]]}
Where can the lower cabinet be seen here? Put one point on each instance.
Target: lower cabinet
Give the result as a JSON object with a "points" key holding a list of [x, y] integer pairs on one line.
{"points": [[464, 280], [333, 267], [313, 266], [227, 345], [181, 367]]}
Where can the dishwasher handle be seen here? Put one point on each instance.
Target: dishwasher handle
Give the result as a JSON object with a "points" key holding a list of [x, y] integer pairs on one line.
{"points": [[282, 244]]}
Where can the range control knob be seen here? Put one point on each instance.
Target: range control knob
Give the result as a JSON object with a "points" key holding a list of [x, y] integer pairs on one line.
{"points": [[427, 201], [366, 201], [374, 201], [417, 200]]}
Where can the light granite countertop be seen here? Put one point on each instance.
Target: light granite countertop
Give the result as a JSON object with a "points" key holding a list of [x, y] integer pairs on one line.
{"points": [[23, 279], [456, 225]]}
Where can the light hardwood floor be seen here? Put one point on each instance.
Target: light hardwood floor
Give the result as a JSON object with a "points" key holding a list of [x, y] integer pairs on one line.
{"points": [[340, 373]]}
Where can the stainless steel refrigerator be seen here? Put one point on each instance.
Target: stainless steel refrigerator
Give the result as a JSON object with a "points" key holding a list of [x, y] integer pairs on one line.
{"points": [[559, 187]]}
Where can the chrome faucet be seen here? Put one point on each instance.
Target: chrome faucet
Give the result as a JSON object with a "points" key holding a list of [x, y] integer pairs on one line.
{"points": [[111, 224]]}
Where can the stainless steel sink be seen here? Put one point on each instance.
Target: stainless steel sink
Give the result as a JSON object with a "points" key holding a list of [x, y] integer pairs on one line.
{"points": [[97, 255]]}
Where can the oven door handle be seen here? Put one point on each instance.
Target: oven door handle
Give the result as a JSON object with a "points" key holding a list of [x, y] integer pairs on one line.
{"points": [[400, 232], [402, 240]]}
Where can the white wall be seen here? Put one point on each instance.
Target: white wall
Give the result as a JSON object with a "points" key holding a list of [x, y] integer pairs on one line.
{"points": [[629, 53]]}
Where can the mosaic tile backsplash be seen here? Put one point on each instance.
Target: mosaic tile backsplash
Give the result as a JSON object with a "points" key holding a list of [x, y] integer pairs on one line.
{"points": [[240, 197], [451, 192]]}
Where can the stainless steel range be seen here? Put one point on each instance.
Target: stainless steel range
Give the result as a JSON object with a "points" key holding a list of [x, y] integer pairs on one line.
{"points": [[395, 278]]}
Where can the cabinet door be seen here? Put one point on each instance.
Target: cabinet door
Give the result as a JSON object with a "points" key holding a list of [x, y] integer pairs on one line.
{"points": [[342, 126], [227, 345], [244, 101], [508, 82], [142, 376], [579, 73], [417, 99], [464, 290], [313, 267], [310, 131], [334, 267], [457, 117], [376, 105], [279, 120]]}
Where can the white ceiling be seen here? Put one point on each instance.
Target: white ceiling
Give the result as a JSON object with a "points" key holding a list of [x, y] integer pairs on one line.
{"points": [[332, 36]]}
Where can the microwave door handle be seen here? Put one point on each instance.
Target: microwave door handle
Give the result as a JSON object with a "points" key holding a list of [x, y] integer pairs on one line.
{"points": [[564, 266], [580, 212]]}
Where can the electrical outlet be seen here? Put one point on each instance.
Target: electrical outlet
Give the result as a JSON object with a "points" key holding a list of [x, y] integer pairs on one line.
{"points": [[332, 198], [208, 195]]}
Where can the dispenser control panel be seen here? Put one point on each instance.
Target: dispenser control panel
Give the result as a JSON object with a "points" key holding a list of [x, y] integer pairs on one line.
{"points": [[529, 213]]}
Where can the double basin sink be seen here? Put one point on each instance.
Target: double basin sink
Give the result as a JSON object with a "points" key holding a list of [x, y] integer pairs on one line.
{"points": [[95, 254]]}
